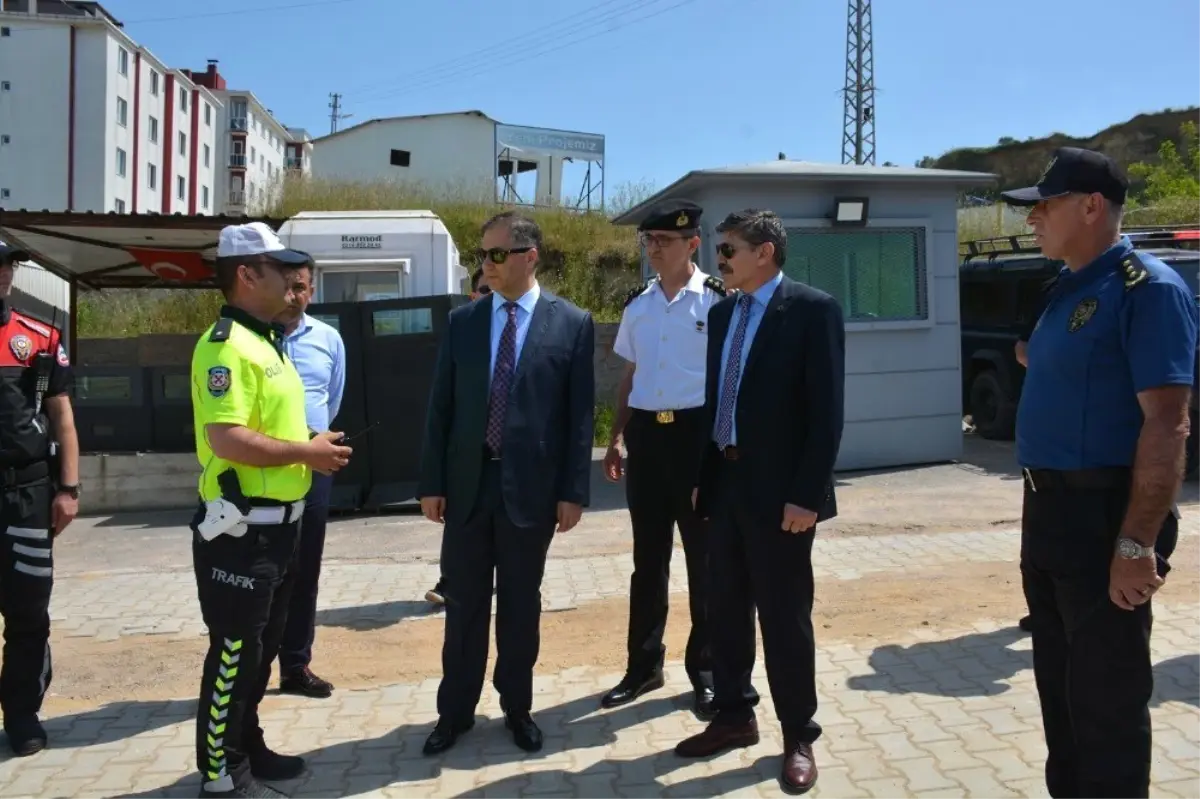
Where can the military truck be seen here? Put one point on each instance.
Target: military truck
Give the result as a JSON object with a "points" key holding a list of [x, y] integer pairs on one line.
{"points": [[1002, 285]]}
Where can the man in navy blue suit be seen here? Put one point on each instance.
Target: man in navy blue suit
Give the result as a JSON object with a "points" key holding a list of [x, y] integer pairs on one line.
{"points": [[506, 462]]}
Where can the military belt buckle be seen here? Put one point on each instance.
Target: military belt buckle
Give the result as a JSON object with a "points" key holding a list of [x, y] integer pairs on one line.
{"points": [[664, 417]]}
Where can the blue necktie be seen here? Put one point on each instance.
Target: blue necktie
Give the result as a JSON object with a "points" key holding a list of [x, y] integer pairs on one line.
{"points": [[733, 368]]}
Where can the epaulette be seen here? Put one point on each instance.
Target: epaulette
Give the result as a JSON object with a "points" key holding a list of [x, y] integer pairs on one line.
{"points": [[1136, 272], [639, 291], [715, 284], [32, 325], [221, 330]]}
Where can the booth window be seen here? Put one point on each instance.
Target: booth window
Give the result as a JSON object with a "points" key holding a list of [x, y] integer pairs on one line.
{"points": [[333, 320], [346, 285], [177, 387], [402, 322], [876, 274], [103, 387]]}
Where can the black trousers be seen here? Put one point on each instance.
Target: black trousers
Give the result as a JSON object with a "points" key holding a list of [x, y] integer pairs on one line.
{"points": [[755, 565], [489, 545], [658, 487], [295, 651], [26, 581], [1091, 659], [244, 586]]}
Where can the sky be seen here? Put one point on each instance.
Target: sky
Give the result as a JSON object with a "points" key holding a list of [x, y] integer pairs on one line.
{"points": [[676, 85]]}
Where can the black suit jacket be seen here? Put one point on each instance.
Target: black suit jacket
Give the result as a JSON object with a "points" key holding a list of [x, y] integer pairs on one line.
{"points": [[548, 430], [789, 412]]}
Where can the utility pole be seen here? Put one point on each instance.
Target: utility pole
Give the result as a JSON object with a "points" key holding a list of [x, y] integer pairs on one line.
{"points": [[335, 103], [858, 125]]}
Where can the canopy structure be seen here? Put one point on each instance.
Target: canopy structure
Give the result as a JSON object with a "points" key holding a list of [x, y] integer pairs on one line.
{"points": [[121, 251]]}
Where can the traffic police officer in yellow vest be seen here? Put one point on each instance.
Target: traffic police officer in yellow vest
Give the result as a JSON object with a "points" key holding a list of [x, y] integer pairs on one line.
{"points": [[660, 414], [256, 452]]}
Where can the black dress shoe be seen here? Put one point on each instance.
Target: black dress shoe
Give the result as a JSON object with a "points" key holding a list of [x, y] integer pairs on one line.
{"points": [[1026, 624], [524, 732], [630, 688], [26, 736], [703, 704], [444, 736], [304, 683], [274, 767]]}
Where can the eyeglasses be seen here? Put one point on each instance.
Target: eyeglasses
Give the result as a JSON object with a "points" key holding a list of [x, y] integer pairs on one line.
{"points": [[498, 255], [726, 250], [651, 240]]}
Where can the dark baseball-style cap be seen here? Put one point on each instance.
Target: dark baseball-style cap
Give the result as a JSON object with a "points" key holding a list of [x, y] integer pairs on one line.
{"points": [[10, 255], [1074, 171]]}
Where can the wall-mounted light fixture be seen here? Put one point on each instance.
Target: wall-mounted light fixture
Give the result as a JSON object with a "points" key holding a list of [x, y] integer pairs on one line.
{"points": [[850, 211]]}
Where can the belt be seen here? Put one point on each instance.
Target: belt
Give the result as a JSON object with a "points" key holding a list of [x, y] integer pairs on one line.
{"points": [[1088, 479], [275, 514], [730, 453], [668, 416], [17, 475]]}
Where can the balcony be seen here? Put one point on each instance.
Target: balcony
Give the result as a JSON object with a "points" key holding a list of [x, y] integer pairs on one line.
{"points": [[237, 198], [237, 160], [292, 162], [239, 124]]}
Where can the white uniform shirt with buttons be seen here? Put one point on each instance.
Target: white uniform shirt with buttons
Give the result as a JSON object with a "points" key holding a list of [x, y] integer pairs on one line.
{"points": [[668, 342]]}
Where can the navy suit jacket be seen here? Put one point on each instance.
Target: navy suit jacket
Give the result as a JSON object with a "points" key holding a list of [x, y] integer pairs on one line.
{"points": [[549, 421], [790, 407]]}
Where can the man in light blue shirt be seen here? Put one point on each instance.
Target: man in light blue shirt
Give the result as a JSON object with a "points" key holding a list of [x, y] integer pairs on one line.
{"points": [[317, 350]]}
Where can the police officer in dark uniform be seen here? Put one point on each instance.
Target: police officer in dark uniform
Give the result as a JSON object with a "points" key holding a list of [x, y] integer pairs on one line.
{"points": [[660, 415], [39, 470], [1100, 435]]}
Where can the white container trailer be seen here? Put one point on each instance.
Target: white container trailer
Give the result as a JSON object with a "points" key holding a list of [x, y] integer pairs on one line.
{"points": [[377, 255]]}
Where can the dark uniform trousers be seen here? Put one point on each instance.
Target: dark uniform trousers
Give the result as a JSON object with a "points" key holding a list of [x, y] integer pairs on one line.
{"points": [[244, 587], [1091, 659], [26, 580], [755, 565], [295, 650], [488, 545], [658, 488]]}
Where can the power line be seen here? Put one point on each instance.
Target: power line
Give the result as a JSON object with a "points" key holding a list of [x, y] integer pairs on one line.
{"points": [[478, 69], [473, 57]]}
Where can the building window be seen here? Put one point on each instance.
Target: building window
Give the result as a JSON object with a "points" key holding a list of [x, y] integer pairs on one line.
{"points": [[182, 100], [207, 155], [122, 61], [122, 112], [5, 194], [151, 176], [208, 115], [5, 31], [401, 157], [153, 130], [121, 162], [5, 139], [119, 206], [5, 86], [180, 187], [253, 155], [154, 83], [182, 143], [876, 274], [204, 196]]}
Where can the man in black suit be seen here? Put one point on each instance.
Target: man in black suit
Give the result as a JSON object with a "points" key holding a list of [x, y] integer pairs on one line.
{"points": [[507, 457], [776, 374]]}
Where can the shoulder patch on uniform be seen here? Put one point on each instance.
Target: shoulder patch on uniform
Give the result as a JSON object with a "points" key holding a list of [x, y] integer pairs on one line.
{"points": [[1136, 272], [1083, 312], [715, 284], [639, 291], [34, 326], [219, 381], [61, 356], [221, 330]]}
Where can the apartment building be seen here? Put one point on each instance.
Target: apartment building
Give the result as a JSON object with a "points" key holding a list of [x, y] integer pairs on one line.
{"points": [[250, 146], [92, 121], [298, 153]]}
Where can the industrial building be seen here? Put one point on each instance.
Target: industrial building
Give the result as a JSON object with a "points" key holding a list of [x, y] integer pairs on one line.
{"points": [[469, 154], [883, 242], [92, 121]]}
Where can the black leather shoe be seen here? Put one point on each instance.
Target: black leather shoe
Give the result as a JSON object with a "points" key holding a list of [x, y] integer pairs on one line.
{"points": [[630, 688], [444, 736], [274, 767], [1026, 624], [524, 732], [26, 737], [305, 683], [702, 705]]}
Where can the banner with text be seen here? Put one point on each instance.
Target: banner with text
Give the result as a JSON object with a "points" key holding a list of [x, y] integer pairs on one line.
{"points": [[544, 141]]}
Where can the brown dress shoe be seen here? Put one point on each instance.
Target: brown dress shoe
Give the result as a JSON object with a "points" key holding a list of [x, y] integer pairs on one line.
{"points": [[799, 768], [718, 738]]}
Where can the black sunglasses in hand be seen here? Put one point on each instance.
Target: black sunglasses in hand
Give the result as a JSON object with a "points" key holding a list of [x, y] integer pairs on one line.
{"points": [[498, 255]]}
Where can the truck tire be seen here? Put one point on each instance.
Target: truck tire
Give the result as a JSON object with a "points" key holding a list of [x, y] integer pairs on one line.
{"points": [[992, 410]]}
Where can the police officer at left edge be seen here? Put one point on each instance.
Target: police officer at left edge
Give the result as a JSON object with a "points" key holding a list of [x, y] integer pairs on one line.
{"points": [[1101, 427], [39, 497], [660, 414]]}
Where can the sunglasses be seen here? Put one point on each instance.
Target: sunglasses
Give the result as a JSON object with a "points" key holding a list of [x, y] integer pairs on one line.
{"points": [[498, 255], [726, 250]]}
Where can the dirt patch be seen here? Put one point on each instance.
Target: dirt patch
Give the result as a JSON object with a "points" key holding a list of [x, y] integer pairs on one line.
{"points": [[877, 608]]}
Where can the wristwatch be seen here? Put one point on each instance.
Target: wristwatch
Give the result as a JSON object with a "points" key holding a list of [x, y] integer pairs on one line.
{"points": [[71, 491], [1132, 550]]}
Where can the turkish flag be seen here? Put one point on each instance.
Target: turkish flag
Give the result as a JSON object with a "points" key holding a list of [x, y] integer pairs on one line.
{"points": [[183, 265]]}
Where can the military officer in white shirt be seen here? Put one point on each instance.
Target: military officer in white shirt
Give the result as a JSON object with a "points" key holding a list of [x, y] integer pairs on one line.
{"points": [[660, 416]]}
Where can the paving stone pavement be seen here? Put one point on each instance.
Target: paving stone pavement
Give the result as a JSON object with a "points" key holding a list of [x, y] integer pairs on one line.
{"points": [[930, 712]]}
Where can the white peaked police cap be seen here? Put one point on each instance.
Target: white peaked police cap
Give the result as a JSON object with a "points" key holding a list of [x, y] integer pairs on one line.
{"points": [[256, 238]]}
